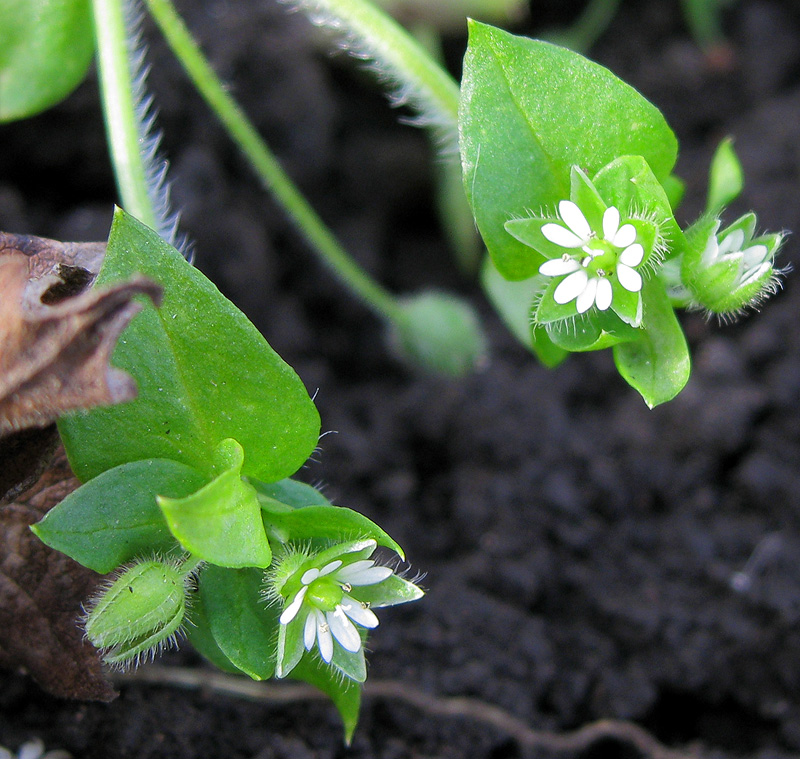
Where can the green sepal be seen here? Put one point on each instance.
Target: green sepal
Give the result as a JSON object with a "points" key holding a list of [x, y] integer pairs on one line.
{"points": [[344, 692], [658, 363], [629, 184], [204, 374], [351, 664], [115, 517], [513, 301], [392, 591], [243, 626], [585, 195], [529, 232], [46, 47], [290, 647], [592, 331], [221, 522], [725, 177]]}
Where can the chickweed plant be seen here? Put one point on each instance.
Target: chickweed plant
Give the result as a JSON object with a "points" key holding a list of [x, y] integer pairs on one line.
{"points": [[188, 499]]}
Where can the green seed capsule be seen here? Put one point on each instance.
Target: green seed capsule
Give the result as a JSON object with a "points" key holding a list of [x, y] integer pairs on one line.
{"points": [[139, 613]]}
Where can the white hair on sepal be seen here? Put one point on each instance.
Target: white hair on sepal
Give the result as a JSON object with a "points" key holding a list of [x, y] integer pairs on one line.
{"points": [[404, 88], [155, 165]]}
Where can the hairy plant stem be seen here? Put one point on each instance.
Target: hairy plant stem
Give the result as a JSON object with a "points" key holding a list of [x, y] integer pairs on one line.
{"points": [[120, 110], [265, 163]]}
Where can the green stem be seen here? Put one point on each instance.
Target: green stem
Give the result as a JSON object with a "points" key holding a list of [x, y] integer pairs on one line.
{"points": [[376, 35], [266, 165], [119, 108]]}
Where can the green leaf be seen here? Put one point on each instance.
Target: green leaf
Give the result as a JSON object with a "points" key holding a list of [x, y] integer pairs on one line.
{"points": [[513, 301], [244, 627], [331, 523], [658, 364], [204, 374], [530, 111], [287, 494], [344, 692], [221, 523], [115, 517], [46, 47], [198, 631], [726, 177]]}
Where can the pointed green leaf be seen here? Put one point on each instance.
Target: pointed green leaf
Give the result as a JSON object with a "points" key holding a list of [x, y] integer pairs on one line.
{"points": [[115, 517], [726, 177], [658, 364], [331, 523], [244, 627], [530, 111], [204, 374], [46, 47], [221, 523]]}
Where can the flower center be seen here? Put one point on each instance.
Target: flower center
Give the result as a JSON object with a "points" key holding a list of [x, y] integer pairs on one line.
{"points": [[325, 594], [601, 259]]}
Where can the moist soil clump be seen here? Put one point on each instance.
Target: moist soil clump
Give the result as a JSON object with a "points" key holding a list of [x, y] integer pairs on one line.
{"points": [[586, 558]]}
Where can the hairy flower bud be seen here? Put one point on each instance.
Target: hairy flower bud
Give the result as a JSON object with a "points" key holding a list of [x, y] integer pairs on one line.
{"points": [[727, 271], [139, 613]]}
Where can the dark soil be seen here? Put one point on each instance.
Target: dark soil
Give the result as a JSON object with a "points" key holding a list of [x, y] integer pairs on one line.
{"points": [[586, 558]]}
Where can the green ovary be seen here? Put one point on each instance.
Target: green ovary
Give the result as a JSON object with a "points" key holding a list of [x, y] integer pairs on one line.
{"points": [[325, 594]]}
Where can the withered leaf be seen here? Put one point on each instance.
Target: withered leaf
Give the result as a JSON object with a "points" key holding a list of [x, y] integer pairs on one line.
{"points": [[41, 592], [54, 358], [55, 343]]}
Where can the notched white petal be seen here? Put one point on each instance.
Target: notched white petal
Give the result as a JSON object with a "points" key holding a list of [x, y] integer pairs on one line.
{"points": [[604, 294], [561, 236], [310, 629], [629, 278], [555, 267], [325, 638], [732, 243], [362, 572], [358, 613], [610, 222], [332, 567], [309, 576], [343, 630], [290, 612], [571, 287], [573, 217], [754, 255], [632, 255], [586, 298], [625, 236]]}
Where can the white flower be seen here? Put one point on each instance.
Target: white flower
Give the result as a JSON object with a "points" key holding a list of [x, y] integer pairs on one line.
{"points": [[329, 587], [596, 259]]}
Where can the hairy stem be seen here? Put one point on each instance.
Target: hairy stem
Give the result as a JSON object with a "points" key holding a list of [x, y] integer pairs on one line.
{"points": [[120, 109]]}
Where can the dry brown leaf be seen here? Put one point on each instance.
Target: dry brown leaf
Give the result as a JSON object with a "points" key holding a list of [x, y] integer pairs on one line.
{"points": [[41, 592], [56, 340], [55, 346]]}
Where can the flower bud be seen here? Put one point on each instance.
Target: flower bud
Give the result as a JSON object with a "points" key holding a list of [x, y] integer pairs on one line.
{"points": [[139, 613], [440, 333], [730, 270]]}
